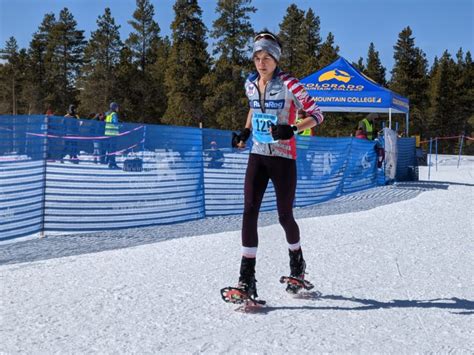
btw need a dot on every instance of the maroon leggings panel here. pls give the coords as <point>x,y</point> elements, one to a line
<point>282,172</point>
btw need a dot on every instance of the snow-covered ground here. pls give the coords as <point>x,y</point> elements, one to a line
<point>392,276</point>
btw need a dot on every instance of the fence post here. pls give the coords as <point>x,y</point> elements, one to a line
<point>429,159</point>
<point>45,129</point>
<point>202,132</point>
<point>436,145</point>
<point>460,149</point>
<point>143,143</point>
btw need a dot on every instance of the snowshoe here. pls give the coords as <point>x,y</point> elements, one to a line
<point>238,295</point>
<point>295,284</point>
<point>245,293</point>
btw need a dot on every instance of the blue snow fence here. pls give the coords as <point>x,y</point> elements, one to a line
<point>407,166</point>
<point>65,176</point>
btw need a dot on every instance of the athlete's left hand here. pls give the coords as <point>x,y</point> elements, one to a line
<point>282,131</point>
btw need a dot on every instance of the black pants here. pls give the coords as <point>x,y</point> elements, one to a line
<point>110,148</point>
<point>282,172</point>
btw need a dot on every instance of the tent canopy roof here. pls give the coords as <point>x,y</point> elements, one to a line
<point>340,87</point>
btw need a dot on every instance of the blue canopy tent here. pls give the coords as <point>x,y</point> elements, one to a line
<point>340,87</point>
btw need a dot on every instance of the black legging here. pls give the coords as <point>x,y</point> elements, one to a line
<point>282,172</point>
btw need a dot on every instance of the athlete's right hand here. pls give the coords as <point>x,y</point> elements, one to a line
<point>238,140</point>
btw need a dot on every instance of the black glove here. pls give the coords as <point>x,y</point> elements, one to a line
<point>282,131</point>
<point>243,136</point>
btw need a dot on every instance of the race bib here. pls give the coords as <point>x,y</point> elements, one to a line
<point>261,123</point>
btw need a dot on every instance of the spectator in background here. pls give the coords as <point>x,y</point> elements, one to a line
<point>308,131</point>
<point>72,129</point>
<point>111,131</point>
<point>71,112</point>
<point>98,131</point>
<point>367,125</point>
<point>360,133</point>
<point>216,157</point>
<point>302,145</point>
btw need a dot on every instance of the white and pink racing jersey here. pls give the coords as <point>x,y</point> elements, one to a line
<point>283,97</point>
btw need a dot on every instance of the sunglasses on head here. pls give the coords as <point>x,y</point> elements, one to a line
<point>266,36</point>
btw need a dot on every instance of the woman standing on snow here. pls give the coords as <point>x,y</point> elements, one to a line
<point>274,98</point>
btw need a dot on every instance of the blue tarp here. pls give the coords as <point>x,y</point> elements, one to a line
<point>341,87</point>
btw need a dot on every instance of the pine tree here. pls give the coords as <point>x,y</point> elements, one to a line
<point>102,55</point>
<point>442,119</point>
<point>464,78</point>
<point>291,37</point>
<point>409,78</point>
<point>24,104</point>
<point>226,105</point>
<point>464,69</point>
<point>37,88</point>
<point>434,67</point>
<point>404,58</point>
<point>124,91</point>
<point>13,74</point>
<point>328,52</point>
<point>467,99</point>
<point>375,69</point>
<point>158,96</point>
<point>188,63</point>
<point>145,45</point>
<point>145,40</point>
<point>360,65</point>
<point>310,44</point>
<point>66,48</point>
<point>5,95</point>
<point>233,30</point>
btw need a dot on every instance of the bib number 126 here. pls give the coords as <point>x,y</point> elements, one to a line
<point>261,123</point>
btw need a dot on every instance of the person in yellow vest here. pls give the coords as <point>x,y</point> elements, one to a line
<point>302,144</point>
<point>112,130</point>
<point>301,116</point>
<point>367,125</point>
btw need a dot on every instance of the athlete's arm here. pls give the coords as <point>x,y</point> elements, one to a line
<point>308,122</point>
<point>248,124</point>
<point>303,100</point>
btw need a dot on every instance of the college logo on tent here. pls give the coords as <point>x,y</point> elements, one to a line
<point>336,74</point>
<point>335,80</point>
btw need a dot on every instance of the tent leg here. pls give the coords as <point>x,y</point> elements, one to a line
<point>407,123</point>
<point>390,118</point>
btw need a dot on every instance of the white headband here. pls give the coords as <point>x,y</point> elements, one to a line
<point>269,46</point>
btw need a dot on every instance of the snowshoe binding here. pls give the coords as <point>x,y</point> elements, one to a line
<point>246,291</point>
<point>239,296</point>
<point>295,285</point>
<point>296,282</point>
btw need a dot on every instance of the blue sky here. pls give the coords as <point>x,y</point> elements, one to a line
<point>437,24</point>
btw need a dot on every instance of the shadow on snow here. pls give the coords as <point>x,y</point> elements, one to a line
<point>465,307</point>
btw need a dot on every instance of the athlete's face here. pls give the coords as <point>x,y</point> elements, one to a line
<point>264,63</point>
